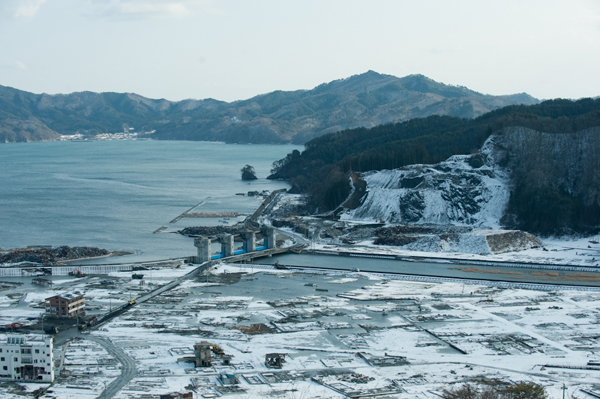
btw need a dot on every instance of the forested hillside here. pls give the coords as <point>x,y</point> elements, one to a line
<point>365,100</point>
<point>322,169</point>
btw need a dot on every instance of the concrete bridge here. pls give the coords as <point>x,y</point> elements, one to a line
<point>227,247</point>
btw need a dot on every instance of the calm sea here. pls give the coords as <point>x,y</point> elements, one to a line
<point>115,194</point>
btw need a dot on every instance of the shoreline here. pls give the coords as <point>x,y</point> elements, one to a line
<point>58,263</point>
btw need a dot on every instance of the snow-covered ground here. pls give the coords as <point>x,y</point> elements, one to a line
<point>464,190</point>
<point>334,329</point>
<point>556,251</point>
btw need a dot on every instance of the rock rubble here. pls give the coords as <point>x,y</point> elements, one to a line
<point>48,256</point>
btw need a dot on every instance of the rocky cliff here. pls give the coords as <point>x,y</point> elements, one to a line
<point>482,190</point>
<point>567,162</point>
<point>465,190</point>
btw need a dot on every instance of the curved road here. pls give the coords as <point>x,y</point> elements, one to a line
<point>128,367</point>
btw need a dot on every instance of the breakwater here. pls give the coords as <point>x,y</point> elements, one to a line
<point>526,274</point>
<point>424,279</point>
<point>404,258</point>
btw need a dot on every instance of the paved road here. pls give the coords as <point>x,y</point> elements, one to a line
<point>128,367</point>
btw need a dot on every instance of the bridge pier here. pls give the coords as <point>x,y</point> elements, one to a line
<point>249,240</point>
<point>226,244</point>
<point>270,236</point>
<point>203,245</point>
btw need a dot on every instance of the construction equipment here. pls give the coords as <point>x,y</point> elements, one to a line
<point>12,327</point>
<point>217,349</point>
<point>76,273</point>
<point>88,322</point>
<point>50,329</point>
<point>131,302</point>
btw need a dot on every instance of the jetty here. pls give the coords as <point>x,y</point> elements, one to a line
<point>189,210</point>
<point>211,215</point>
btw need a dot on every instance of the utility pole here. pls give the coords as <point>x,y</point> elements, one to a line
<point>564,388</point>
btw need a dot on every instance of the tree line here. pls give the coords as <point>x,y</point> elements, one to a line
<point>322,169</point>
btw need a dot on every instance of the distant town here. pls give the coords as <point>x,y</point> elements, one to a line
<point>127,134</point>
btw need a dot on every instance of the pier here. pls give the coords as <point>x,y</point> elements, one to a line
<point>211,215</point>
<point>63,270</point>
<point>189,210</point>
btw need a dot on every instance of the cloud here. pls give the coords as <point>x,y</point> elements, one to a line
<point>159,10</point>
<point>14,65</point>
<point>28,8</point>
<point>446,50</point>
<point>146,9</point>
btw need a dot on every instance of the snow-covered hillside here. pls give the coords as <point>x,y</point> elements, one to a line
<point>465,190</point>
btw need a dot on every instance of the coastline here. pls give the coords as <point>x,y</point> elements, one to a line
<point>35,250</point>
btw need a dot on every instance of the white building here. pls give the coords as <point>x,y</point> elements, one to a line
<point>26,360</point>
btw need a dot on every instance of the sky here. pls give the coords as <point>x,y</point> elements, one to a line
<point>235,49</point>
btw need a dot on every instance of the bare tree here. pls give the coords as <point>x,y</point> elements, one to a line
<point>519,390</point>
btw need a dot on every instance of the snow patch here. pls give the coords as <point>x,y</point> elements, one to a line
<point>465,190</point>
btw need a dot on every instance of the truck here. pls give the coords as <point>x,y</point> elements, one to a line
<point>50,329</point>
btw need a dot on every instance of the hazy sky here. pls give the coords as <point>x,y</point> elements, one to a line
<point>235,49</point>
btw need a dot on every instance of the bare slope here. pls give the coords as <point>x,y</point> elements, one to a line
<point>483,190</point>
<point>457,191</point>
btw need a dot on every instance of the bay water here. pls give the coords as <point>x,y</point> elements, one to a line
<point>115,194</point>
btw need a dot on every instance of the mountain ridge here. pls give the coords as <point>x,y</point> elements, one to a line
<point>363,100</point>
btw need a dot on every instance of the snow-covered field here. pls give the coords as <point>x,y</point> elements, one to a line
<point>556,251</point>
<point>339,332</point>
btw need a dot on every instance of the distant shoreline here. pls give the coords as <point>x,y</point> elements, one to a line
<point>35,256</point>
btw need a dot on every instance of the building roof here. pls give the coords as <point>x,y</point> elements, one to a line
<point>68,295</point>
<point>23,340</point>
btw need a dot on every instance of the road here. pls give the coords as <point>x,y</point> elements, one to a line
<point>128,367</point>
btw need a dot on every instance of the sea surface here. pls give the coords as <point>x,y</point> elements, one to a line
<point>115,194</point>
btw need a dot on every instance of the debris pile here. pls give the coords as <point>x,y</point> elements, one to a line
<point>210,231</point>
<point>254,329</point>
<point>356,378</point>
<point>295,224</point>
<point>404,235</point>
<point>456,239</point>
<point>49,256</point>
